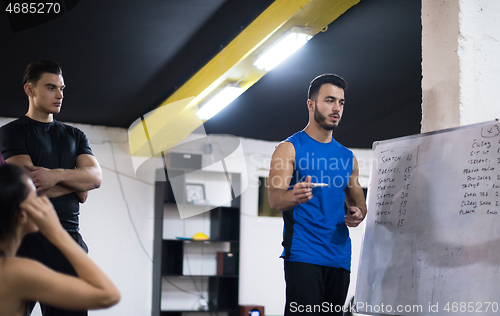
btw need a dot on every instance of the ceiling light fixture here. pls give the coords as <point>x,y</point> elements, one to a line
<point>219,101</point>
<point>234,63</point>
<point>282,49</point>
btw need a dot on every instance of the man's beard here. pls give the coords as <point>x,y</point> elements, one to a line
<point>321,120</point>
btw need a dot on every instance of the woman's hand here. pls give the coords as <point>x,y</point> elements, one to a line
<point>41,211</point>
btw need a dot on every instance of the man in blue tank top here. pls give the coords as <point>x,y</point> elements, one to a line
<point>311,177</point>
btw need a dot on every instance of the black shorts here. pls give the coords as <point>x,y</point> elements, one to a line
<point>37,247</point>
<point>313,290</point>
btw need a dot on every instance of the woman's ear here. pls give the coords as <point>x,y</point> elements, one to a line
<point>22,216</point>
<point>24,220</point>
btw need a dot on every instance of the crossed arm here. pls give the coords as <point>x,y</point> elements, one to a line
<point>57,182</point>
<point>282,199</point>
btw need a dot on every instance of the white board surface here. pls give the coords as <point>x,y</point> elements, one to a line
<point>432,239</point>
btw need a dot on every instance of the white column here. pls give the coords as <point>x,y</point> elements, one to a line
<point>479,54</point>
<point>460,62</point>
<point>440,65</point>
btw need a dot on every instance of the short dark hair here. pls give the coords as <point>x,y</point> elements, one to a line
<point>320,80</point>
<point>35,70</point>
<point>13,191</point>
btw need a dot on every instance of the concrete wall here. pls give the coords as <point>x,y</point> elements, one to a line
<point>460,65</point>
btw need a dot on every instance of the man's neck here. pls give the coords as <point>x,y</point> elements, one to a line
<point>39,116</point>
<point>318,133</point>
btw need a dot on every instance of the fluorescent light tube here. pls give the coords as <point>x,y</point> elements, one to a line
<point>280,51</point>
<point>219,101</point>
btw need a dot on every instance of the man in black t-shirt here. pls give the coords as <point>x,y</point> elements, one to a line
<point>58,159</point>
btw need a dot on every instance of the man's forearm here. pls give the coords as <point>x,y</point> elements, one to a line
<point>60,190</point>
<point>80,179</point>
<point>281,200</point>
<point>56,191</point>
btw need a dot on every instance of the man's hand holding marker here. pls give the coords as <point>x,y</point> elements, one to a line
<point>302,191</point>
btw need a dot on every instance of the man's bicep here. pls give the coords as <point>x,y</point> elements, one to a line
<point>87,161</point>
<point>282,163</point>
<point>353,187</point>
<point>90,162</point>
<point>91,170</point>
<point>354,192</point>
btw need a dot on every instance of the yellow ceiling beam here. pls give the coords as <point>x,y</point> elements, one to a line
<point>176,117</point>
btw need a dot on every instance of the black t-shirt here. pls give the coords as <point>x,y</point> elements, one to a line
<point>49,145</point>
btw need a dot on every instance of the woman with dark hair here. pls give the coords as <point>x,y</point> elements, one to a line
<point>23,280</point>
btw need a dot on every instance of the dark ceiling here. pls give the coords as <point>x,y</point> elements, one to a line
<point>122,58</point>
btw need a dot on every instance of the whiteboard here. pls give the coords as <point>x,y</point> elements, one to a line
<point>432,239</point>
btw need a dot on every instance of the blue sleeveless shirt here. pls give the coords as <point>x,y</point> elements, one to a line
<point>315,232</point>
